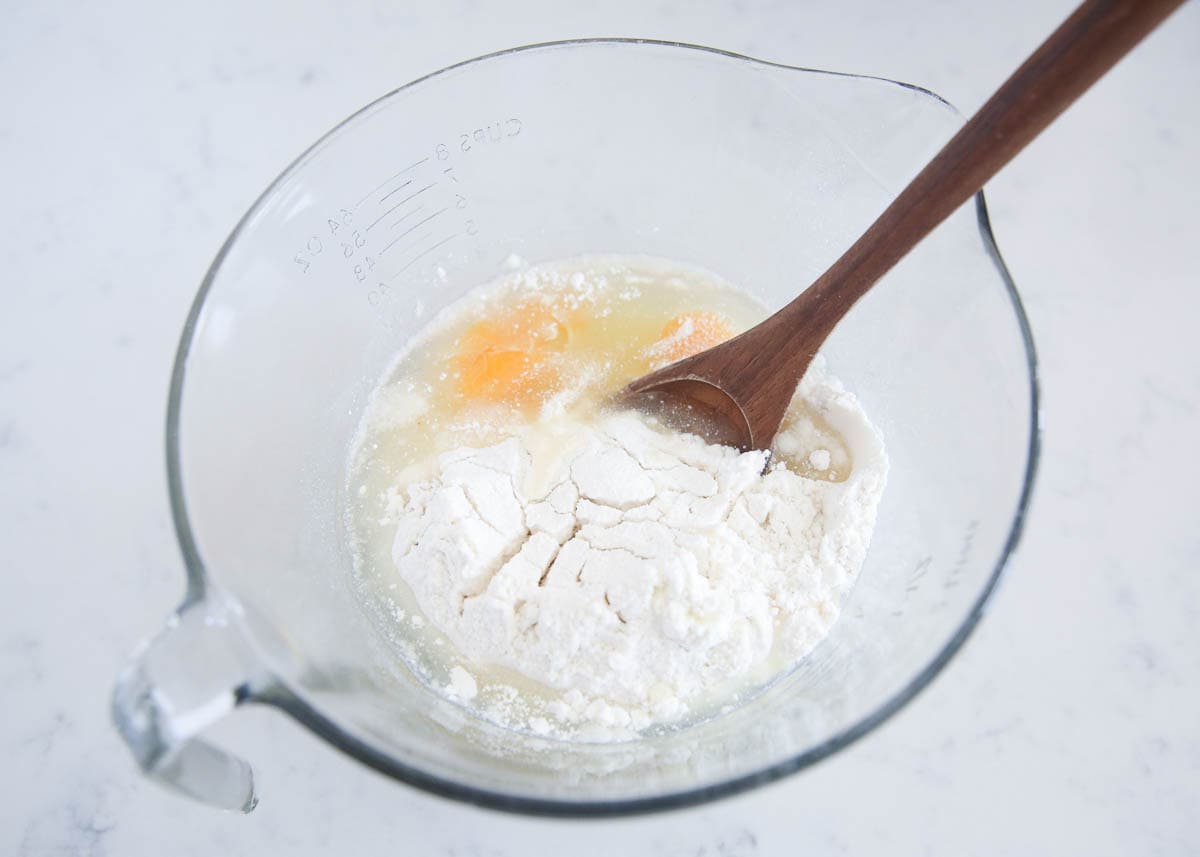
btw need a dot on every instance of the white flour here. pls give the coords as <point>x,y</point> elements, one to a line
<point>638,574</point>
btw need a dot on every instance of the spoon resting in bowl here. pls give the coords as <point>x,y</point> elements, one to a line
<point>736,393</point>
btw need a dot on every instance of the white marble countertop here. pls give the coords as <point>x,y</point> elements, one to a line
<point>132,137</point>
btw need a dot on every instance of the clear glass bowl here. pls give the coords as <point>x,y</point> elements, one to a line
<point>759,172</point>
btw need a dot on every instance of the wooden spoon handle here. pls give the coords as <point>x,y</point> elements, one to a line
<point>1078,53</point>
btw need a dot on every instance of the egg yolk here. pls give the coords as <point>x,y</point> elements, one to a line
<point>690,333</point>
<point>522,354</point>
<point>509,358</point>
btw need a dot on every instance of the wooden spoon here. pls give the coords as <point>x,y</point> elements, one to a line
<point>742,387</point>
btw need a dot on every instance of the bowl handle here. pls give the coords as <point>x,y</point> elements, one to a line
<point>191,674</point>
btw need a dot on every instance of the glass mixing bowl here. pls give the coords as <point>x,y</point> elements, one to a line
<point>759,172</point>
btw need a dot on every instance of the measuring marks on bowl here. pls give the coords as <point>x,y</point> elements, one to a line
<point>400,223</point>
<point>403,211</point>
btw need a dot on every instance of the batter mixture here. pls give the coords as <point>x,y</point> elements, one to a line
<point>570,569</point>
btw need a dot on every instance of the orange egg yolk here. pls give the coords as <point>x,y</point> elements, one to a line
<point>691,333</point>
<point>509,358</point>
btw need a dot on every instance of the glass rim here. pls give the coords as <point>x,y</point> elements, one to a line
<point>280,695</point>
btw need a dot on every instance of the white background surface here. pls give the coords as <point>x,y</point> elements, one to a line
<point>132,137</point>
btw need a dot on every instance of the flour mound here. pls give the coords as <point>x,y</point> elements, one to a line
<point>637,572</point>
